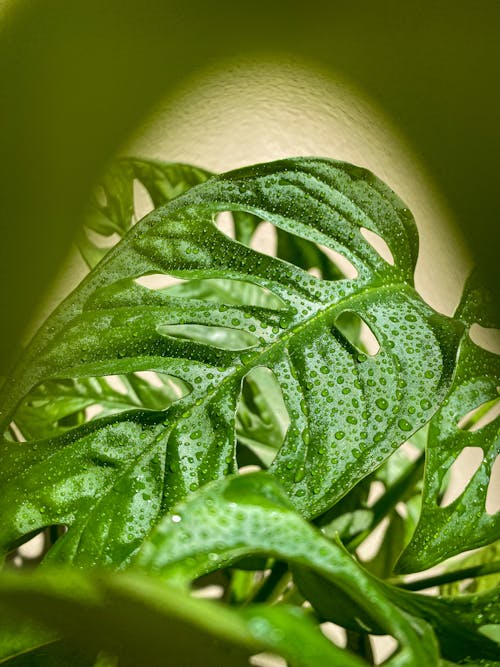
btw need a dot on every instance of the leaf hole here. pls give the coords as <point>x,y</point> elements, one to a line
<point>378,244</point>
<point>224,338</point>
<point>226,291</point>
<point>60,405</point>
<point>158,281</point>
<point>492,504</point>
<point>335,633</point>
<point>225,224</point>
<point>264,239</point>
<point>103,241</point>
<point>212,592</point>
<point>32,549</point>
<point>460,474</point>
<point>262,420</point>
<point>480,416</point>
<point>143,204</point>
<point>383,647</point>
<point>100,196</point>
<point>486,337</point>
<point>345,266</point>
<point>357,332</point>
<point>267,660</point>
<point>146,390</point>
<point>319,260</point>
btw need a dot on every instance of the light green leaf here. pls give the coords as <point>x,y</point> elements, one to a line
<point>478,584</point>
<point>112,478</point>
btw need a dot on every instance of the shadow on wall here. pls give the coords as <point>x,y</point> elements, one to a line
<point>246,111</point>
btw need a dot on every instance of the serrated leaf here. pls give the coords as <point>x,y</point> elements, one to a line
<point>250,515</point>
<point>348,411</point>
<point>464,524</point>
<point>140,619</point>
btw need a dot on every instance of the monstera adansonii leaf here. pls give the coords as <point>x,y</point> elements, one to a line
<point>111,479</point>
<point>112,211</point>
<point>465,523</point>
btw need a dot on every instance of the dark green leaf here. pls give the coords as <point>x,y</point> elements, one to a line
<point>457,622</point>
<point>140,619</point>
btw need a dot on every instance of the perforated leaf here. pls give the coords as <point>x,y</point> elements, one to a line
<point>111,479</point>
<point>465,523</point>
<point>112,209</point>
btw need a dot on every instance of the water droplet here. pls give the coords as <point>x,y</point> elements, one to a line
<point>299,474</point>
<point>404,425</point>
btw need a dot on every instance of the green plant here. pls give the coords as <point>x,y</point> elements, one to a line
<point>246,359</point>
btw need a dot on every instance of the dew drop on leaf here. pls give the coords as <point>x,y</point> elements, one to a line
<point>404,425</point>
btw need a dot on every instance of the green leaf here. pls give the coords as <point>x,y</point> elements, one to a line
<point>464,524</point>
<point>55,406</point>
<point>111,209</point>
<point>55,654</point>
<point>391,546</point>
<point>458,623</point>
<point>112,478</point>
<point>139,619</point>
<point>19,637</point>
<point>262,419</point>
<point>489,554</point>
<point>250,515</point>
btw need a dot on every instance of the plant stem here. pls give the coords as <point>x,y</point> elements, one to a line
<point>389,500</point>
<point>278,571</point>
<point>449,577</point>
<point>360,643</point>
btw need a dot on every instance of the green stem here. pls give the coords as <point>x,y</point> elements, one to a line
<point>389,500</point>
<point>266,590</point>
<point>449,577</point>
<point>360,643</point>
